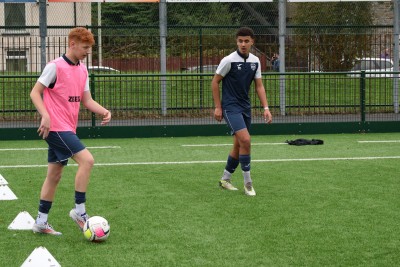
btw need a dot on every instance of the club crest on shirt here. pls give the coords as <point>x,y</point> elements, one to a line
<point>253,66</point>
<point>239,66</point>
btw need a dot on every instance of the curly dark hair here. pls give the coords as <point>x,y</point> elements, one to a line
<point>245,31</point>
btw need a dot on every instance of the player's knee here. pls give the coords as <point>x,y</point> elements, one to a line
<point>56,175</point>
<point>245,142</point>
<point>57,178</point>
<point>85,159</point>
<point>90,162</point>
<point>54,178</point>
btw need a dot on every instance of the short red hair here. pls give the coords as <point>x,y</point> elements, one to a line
<point>80,34</point>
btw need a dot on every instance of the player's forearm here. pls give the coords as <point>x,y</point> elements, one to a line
<point>37,101</point>
<point>216,97</point>
<point>262,96</point>
<point>217,102</point>
<point>95,107</point>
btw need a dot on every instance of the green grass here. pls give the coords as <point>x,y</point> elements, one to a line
<point>306,213</point>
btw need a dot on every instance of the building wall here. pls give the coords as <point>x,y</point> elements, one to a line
<point>27,41</point>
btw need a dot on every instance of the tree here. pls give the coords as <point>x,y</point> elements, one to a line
<point>120,18</point>
<point>336,33</point>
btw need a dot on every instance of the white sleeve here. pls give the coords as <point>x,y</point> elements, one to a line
<point>48,75</point>
<point>87,88</point>
<point>258,71</point>
<point>224,67</point>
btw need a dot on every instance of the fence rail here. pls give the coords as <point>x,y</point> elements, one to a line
<point>137,99</point>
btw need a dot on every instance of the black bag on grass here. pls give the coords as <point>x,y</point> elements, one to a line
<point>302,142</point>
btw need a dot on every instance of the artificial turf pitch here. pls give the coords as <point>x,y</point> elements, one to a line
<point>335,204</point>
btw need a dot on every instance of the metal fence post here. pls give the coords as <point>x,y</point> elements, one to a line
<point>362,96</point>
<point>43,32</point>
<point>93,92</point>
<point>282,36</point>
<point>396,55</point>
<point>163,54</point>
<point>201,68</point>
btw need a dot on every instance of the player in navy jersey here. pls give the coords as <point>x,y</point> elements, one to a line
<point>237,71</point>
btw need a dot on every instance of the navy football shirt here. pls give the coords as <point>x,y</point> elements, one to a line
<point>238,72</point>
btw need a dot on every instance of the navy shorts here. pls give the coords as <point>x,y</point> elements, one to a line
<point>62,146</point>
<point>237,121</point>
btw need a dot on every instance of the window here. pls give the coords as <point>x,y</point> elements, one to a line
<point>16,61</point>
<point>14,15</point>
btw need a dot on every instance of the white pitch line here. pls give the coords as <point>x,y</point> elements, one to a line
<point>45,148</point>
<point>381,141</point>
<point>253,144</point>
<point>206,162</point>
<point>102,147</point>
